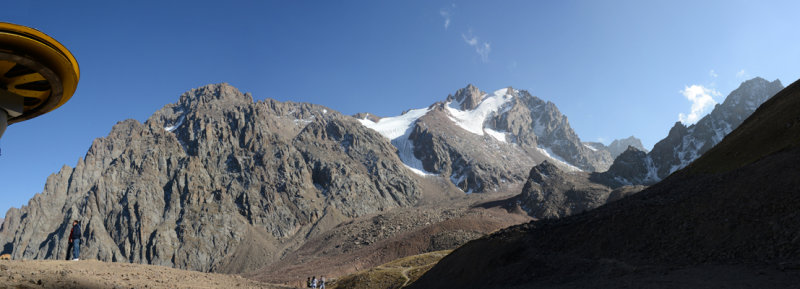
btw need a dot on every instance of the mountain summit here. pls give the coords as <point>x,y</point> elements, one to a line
<point>486,142</point>
<point>210,175</point>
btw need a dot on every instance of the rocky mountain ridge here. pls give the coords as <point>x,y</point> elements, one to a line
<point>482,142</point>
<point>216,172</point>
<point>729,219</point>
<point>208,173</point>
<point>684,143</point>
<point>618,146</point>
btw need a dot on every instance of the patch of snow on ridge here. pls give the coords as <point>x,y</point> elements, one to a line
<point>397,129</point>
<point>557,159</point>
<point>498,135</point>
<point>652,171</point>
<point>406,153</point>
<point>396,126</point>
<point>472,120</point>
<point>588,146</point>
<point>176,125</point>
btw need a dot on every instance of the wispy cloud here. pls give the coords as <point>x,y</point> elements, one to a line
<point>482,48</point>
<point>713,74</point>
<point>447,14</point>
<point>702,99</point>
<point>742,75</point>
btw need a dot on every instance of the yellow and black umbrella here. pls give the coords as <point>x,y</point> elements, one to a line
<point>37,74</point>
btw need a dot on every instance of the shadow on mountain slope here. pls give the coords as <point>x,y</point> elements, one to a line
<point>730,219</point>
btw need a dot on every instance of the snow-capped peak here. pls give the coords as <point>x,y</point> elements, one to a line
<point>472,120</point>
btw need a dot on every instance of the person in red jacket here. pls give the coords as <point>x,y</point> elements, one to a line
<point>75,239</point>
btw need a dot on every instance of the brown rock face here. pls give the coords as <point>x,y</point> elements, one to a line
<point>209,174</point>
<point>469,97</point>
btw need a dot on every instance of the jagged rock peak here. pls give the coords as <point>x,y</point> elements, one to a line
<point>751,92</point>
<point>544,170</point>
<point>222,92</point>
<point>618,146</point>
<point>469,97</point>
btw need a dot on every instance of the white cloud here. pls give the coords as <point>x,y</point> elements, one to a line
<point>741,75</point>
<point>482,49</point>
<point>447,14</point>
<point>472,41</point>
<point>713,74</point>
<point>702,99</point>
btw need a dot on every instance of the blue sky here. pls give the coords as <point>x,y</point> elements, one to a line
<point>615,68</point>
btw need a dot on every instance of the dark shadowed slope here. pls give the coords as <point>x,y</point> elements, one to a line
<point>730,220</point>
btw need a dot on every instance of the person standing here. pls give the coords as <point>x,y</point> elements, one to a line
<point>75,239</point>
<point>322,282</point>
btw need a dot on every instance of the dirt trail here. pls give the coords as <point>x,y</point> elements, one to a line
<point>396,274</point>
<point>404,273</point>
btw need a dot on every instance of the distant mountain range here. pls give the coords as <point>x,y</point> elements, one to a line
<point>728,219</point>
<point>685,144</point>
<point>214,173</point>
<point>551,192</point>
<point>618,146</point>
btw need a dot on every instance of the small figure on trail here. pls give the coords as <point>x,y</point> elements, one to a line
<point>75,239</point>
<point>322,282</point>
<point>308,282</point>
<point>314,282</point>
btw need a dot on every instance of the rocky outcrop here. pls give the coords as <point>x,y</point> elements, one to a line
<point>552,193</point>
<point>209,174</point>
<point>468,97</point>
<point>366,115</point>
<point>685,144</point>
<point>7,227</point>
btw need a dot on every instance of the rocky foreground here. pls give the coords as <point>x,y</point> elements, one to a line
<point>96,274</point>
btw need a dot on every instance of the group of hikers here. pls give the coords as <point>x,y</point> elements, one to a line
<point>313,282</point>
